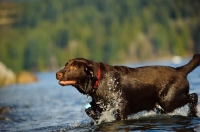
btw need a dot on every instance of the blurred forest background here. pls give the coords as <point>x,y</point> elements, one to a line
<point>42,35</point>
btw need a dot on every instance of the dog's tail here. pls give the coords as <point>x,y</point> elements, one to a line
<point>191,65</point>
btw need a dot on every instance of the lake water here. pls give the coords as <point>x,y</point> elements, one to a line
<point>47,106</point>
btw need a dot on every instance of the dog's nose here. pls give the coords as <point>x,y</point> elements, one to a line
<point>59,75</point>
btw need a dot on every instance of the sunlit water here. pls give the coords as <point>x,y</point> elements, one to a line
<point>47,106</point>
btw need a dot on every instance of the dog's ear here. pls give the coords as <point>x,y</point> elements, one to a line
<point>89,70</point>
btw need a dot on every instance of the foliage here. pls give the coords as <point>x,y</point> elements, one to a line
<point>47,33</point>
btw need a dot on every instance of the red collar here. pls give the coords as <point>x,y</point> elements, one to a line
<point>98,78</point>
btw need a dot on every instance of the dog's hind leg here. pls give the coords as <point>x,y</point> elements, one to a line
<point>174,97</point>
<point>193,100</point>
<point>178,100</point>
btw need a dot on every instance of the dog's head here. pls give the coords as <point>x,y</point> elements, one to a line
<point>80,73</point>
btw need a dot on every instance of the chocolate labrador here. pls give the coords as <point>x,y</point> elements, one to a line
<point>128,90</point>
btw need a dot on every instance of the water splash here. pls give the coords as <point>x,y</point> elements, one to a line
<point>183,111</point>
<point>107,118</point>
<point>113,97</point>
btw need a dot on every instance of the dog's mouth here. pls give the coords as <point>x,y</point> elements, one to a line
<point>64,83</point>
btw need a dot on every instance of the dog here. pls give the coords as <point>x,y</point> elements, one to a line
<point>128,90</point>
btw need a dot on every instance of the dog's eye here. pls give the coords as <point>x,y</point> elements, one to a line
<point>72,68</point>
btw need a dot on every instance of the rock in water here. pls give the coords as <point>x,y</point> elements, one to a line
<point>26,77</point>
<point>7,76</point>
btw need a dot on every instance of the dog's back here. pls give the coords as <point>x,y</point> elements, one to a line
<point>163,85</point>
<point>166,74</point>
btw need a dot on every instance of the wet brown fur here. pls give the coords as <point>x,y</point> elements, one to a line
<point>141,88</point>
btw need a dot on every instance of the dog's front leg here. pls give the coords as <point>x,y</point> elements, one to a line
<point>92,113</point>
<point>93,110</point>
<point>121,113</point>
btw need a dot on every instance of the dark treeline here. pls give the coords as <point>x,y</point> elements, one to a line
<point>44,34</point>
